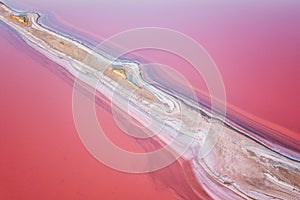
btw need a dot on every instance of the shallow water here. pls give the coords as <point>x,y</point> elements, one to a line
<point>262,77</point>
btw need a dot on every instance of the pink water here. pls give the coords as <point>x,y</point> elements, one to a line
<point>255,45</point>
